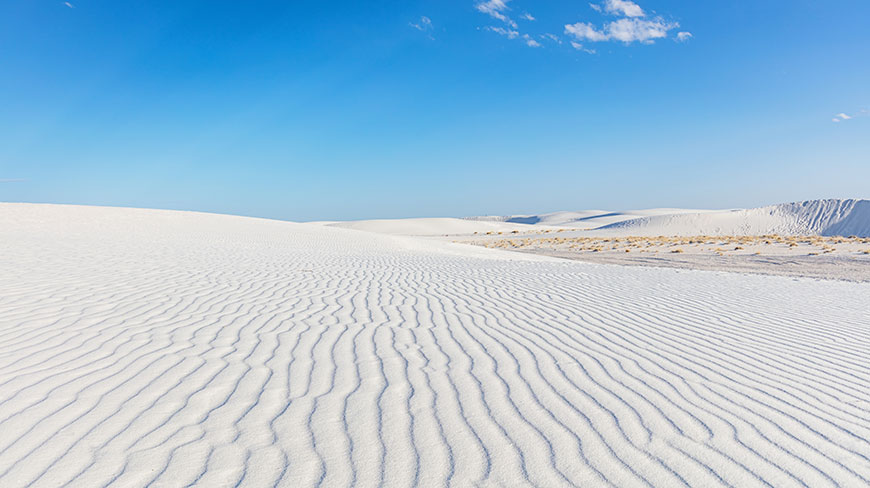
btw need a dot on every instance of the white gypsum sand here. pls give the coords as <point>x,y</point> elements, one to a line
<point>165,348</point>
<point>840,258</point>
<point>832,217</point>
<point>432,227</point>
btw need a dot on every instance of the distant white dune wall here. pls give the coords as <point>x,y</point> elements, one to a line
<point>584,219</point>
<point>814,217</point>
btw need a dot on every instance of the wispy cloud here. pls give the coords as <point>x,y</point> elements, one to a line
<point>582,30</point>
<point>425,25</point>
<point>576,45</point>
<point>509,33</point>
<point>639,30</point>
<point>842,116</point>
<point>69,5</point>
<point>531,42</point>
<point>496,9</point>
<point>551,37</point>
<point>626,8</point>
<point>12,180</point>
<point>634,26</point>
<point>631,24</point>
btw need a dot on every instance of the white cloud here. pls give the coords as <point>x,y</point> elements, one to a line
<point>531,42</point>
<point>576,45</point>
<point>496,9</point>
<point>842,117</point>
<point>509,33</point>
<point>69,4</point>
<point>512,34</point>
<point>632,24</point>
<point>626,30</point>
<point>631,30</point>
<point>425,25</point>
<point>551,37</point>
<point>582,30</point>
<point>623,7</point>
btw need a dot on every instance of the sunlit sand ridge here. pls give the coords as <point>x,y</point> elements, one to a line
<point>169,349</point>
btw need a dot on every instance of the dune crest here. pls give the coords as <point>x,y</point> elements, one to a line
<point>813,217</point>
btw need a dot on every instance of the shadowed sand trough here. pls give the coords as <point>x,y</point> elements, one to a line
<point>164,348</point>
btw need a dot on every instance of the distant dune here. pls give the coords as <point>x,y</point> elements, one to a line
<point>814,217</point>
<point>432,226</point>
<point>584,219</point>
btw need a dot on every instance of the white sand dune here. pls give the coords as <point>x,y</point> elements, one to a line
<point>431,226</point>
<point>814,217</point>
<point>585,219</point>
<point>156,348</point>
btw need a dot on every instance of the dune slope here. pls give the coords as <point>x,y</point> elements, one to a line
<point>585,219</point>
<point>152,348</point>
<point>814,217</point>
<point>430,226</point>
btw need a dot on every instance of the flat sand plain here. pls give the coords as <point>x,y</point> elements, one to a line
<point>838,258</point>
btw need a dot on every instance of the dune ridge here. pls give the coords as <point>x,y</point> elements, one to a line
<point>584,219</point>
<point>813,217</point>
<point>156,348</point>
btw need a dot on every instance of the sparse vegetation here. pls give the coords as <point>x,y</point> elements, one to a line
<point>695,245</point>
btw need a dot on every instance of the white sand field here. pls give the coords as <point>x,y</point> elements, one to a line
<point>813,217</point>
<point>158,348</point>
<point>436,227</point>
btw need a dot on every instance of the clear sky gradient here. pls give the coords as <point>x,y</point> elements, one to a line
<point>309,110</point>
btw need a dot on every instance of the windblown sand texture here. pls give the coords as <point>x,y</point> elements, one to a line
<point>156,348</point>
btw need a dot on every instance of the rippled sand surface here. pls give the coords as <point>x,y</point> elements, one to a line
<point>156,348</point>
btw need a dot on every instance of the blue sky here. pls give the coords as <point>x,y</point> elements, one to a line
<point>307,110</point>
